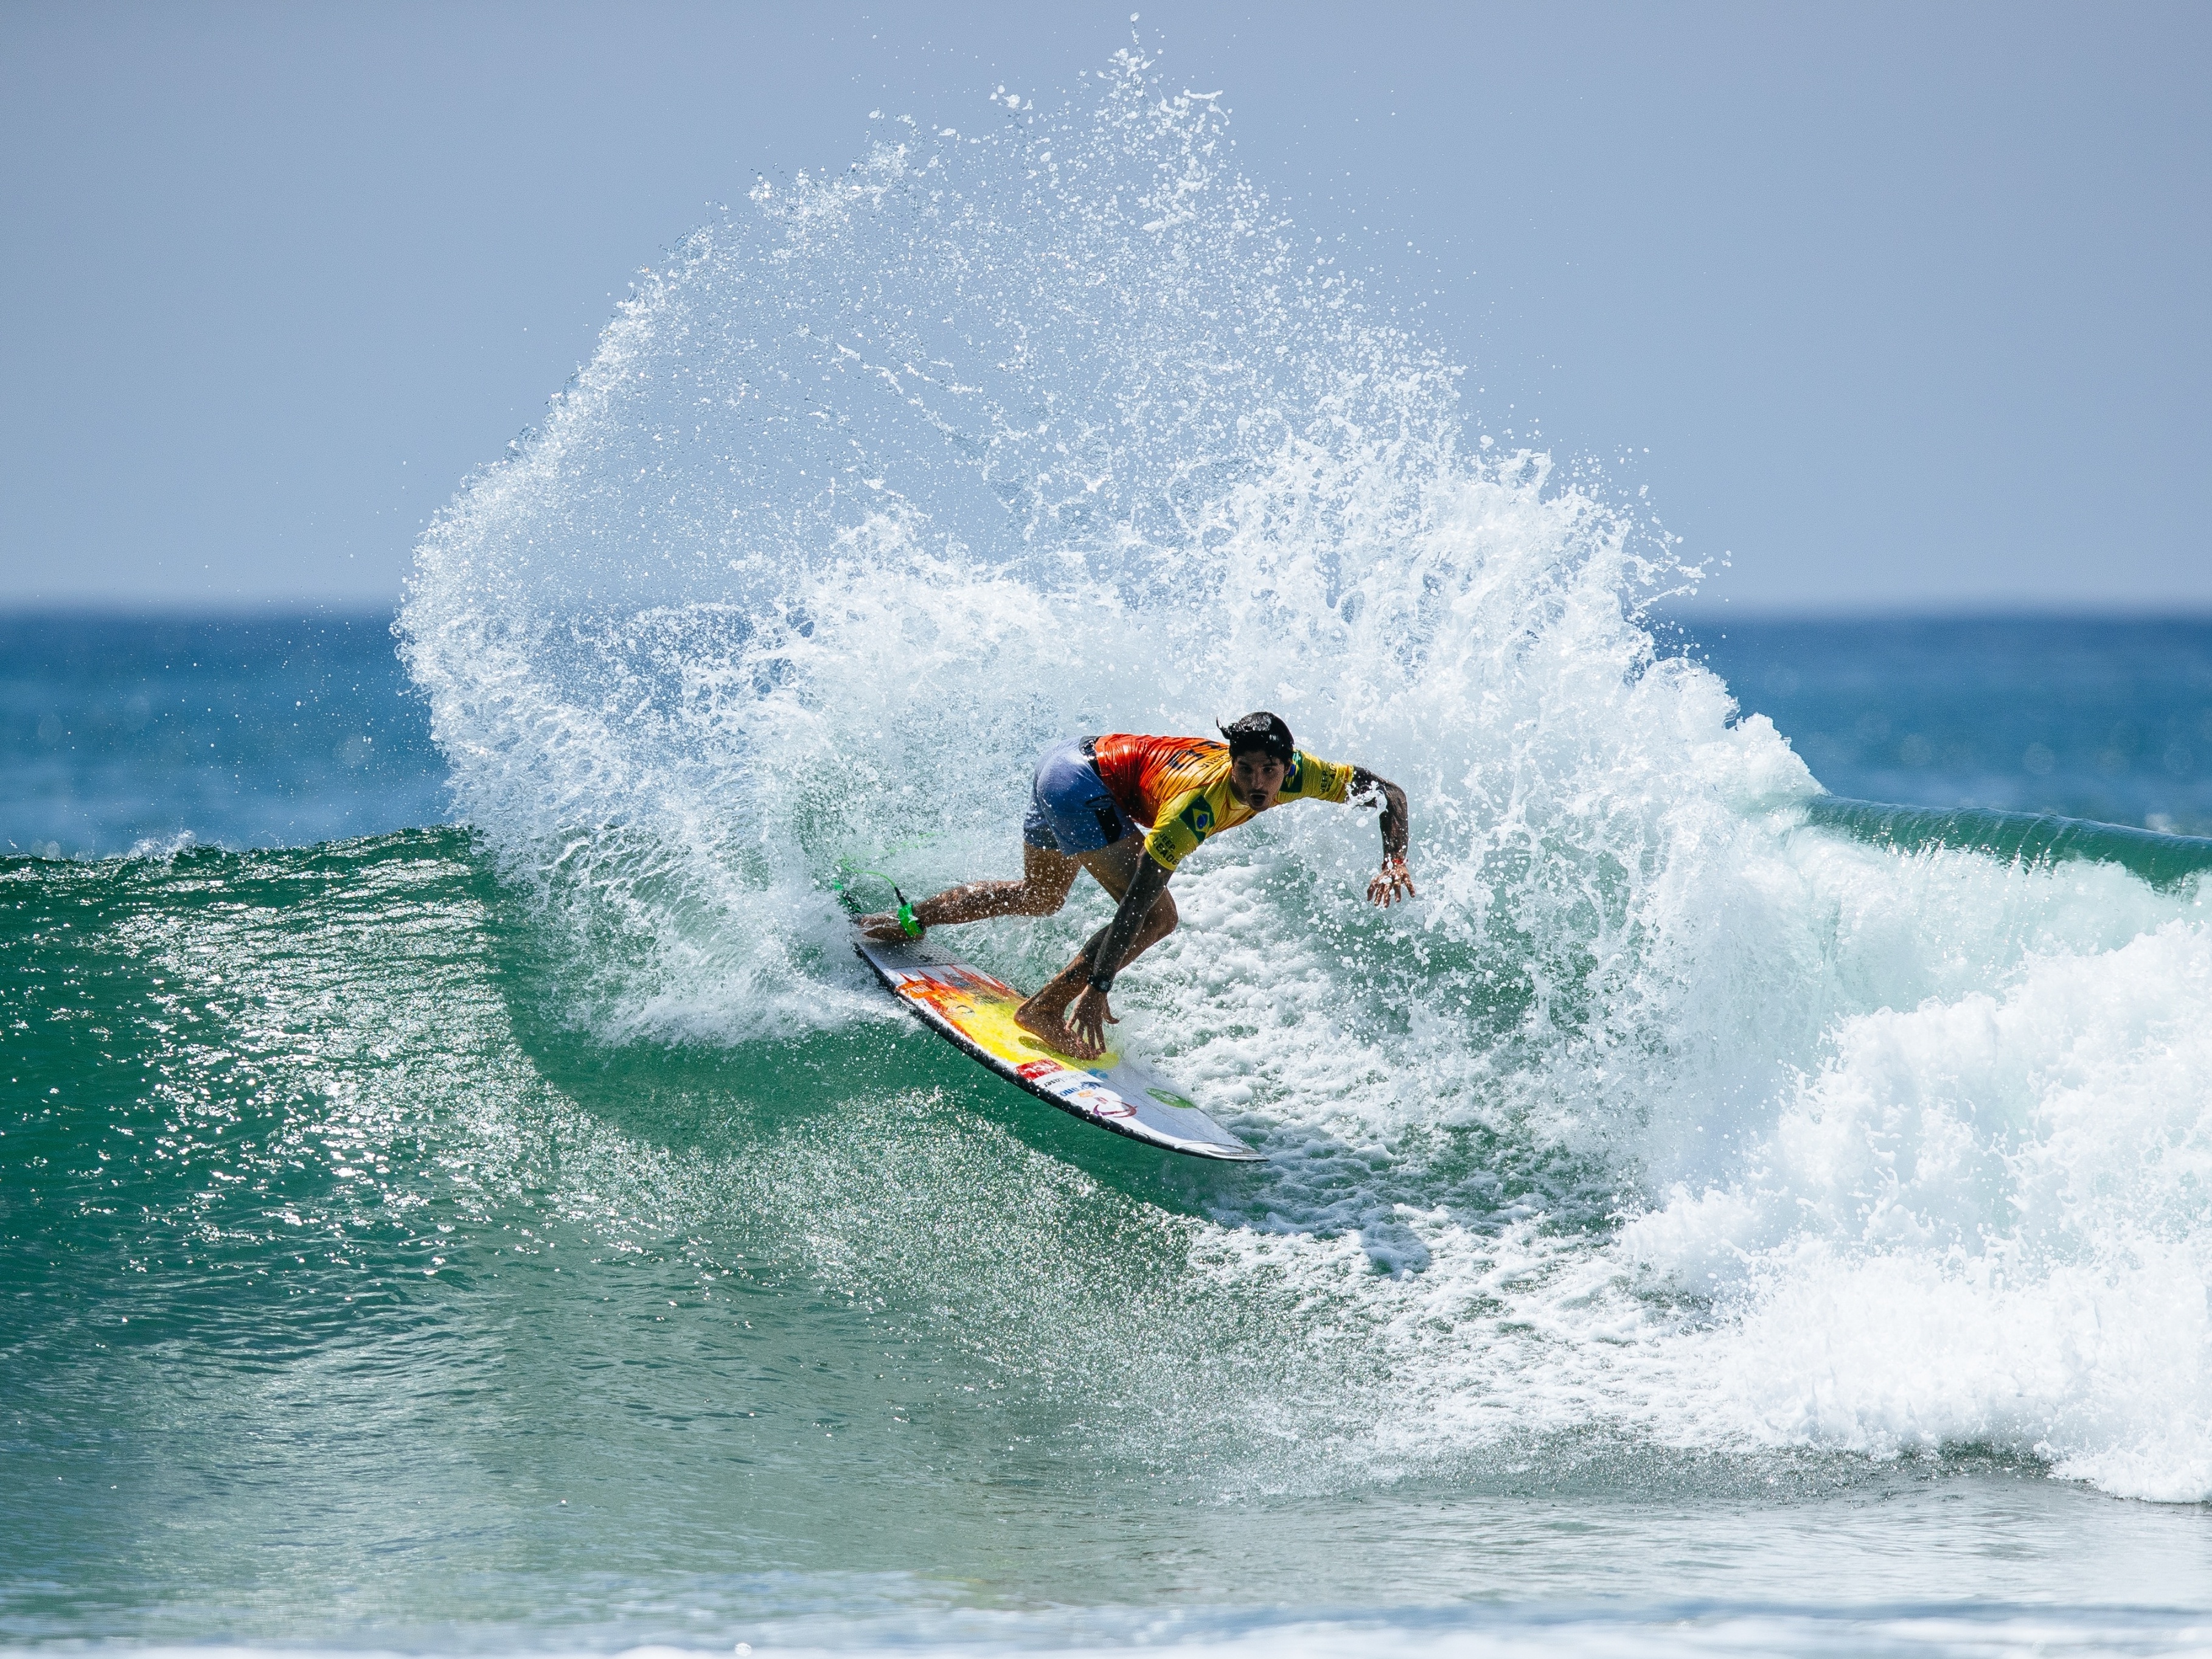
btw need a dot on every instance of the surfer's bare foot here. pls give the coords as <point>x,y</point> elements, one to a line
<point>1045,1024</point>
<point>882,928</point>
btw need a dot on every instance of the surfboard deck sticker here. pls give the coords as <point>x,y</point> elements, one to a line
<point>976,1012</point>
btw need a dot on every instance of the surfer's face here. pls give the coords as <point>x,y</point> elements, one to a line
<point>1255,778</point>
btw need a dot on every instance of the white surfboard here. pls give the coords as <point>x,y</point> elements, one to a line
<point>976,1012</point>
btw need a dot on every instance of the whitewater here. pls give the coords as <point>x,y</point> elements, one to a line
<point>1664,1116</point>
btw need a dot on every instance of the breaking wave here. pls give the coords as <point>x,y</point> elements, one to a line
<point>1677,1111</point>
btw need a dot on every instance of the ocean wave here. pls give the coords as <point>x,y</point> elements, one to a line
<point>1687,1103</point>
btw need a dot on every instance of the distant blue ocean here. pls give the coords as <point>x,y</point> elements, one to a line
<point>227,731</point>
<point>2097,719</point>
<point>267,730</point>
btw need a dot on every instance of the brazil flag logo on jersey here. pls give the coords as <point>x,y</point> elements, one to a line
<point>1198,817</point>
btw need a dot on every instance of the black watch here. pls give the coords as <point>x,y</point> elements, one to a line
<point>1102,986</point>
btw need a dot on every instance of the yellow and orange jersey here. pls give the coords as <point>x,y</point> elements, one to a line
<point>1178,787</point>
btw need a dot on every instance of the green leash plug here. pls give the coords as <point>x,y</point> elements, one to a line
<point>908,923</point>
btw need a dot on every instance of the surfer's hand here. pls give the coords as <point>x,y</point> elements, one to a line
<point>1088,1016</point>
<point>1392,883</point>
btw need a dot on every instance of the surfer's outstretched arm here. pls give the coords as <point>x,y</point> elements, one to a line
<point>1112,948</point>
<point>1140,886</point>
<point>1395,881</point>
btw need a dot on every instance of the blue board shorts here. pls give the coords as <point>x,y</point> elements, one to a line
<point>1071,811</point>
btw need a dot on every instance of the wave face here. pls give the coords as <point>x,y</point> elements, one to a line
<point>2030,838</point>
<point>1666,1117</point>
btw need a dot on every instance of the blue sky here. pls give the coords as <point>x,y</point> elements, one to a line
<point>1902,306</point>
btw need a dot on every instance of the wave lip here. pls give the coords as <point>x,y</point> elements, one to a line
<point>2027,838</point>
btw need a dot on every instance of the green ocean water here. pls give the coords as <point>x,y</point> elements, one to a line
<point>351,1296</point>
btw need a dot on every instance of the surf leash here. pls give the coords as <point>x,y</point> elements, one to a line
<point>908,925</point>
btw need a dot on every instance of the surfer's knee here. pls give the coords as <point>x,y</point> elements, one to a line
<point>1041,901</point>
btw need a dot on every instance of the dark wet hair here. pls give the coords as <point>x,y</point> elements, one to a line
<point>1259,731</point>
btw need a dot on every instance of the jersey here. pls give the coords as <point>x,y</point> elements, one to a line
<point>1178,788</point>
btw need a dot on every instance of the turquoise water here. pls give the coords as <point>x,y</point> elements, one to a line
<point>461,1194</point>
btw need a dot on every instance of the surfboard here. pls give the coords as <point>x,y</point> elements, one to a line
<point>975,1012</point>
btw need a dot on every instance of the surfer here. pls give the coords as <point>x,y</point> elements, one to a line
<point>1129,810</point>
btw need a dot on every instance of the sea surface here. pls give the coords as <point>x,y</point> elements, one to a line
<point>459,1194</point>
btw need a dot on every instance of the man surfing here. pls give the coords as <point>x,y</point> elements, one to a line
<point>1129,810</point>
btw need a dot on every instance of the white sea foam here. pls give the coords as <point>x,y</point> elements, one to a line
<point>1659,1112</point>
<point>1416,1633</point>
